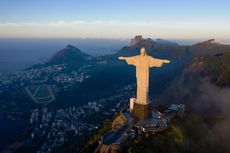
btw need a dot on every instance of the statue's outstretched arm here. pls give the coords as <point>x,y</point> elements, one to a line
<point>129,60</point>
<point>121,58</point>
<point>166,61</point>
<point>157,62</point>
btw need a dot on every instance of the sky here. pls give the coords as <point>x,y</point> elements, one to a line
<point>119,19</point>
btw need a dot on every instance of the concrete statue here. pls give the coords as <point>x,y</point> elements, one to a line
<point>142,63</point>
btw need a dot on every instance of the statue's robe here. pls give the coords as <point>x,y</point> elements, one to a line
<point>143,63</point>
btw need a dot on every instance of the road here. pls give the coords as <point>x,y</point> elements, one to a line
<point>118,136</point>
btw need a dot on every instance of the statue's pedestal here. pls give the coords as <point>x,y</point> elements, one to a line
<point>142,111</point>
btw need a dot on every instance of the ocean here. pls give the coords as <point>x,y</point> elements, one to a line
<point>18,54</point>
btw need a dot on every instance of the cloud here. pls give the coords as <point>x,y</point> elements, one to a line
<point>207,98</point>
<point>199,93</point>
<point>112,29</point>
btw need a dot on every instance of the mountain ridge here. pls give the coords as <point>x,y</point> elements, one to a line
<point>161,49</point>
<point>216,67</point>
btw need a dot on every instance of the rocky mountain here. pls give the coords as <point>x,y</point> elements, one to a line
<point>203,83</point>
<point>165,48</point>
<point>158,48</point>
<point>209,47</point>
<point>165,42</point>
<point>139,38</point>
<point>217,67</point>
<point>69,55</point>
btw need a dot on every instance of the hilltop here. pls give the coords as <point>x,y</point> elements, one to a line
<point>209,47</point>
<point>69,54</point>
<point>217,67</point>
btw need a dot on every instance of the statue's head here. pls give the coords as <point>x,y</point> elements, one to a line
<point>143,51</point>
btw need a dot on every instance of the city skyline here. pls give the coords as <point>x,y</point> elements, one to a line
<point>116,19</point>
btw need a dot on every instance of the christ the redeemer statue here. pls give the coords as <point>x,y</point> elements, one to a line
<point>143,62</point>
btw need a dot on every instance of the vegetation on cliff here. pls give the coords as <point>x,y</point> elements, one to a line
<point>191,134</point>
<point>92,143</point>
<point>217,67</point>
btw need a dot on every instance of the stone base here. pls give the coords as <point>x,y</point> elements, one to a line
<point>141,111</point>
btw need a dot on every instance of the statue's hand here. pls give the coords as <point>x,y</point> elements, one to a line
<point>166,61</point>
<point>121,58</point>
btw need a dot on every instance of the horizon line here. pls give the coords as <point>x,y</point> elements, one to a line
<point>179,41</point>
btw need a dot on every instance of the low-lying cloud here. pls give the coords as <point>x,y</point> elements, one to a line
<point>113,29</point>
<point>205,97</point>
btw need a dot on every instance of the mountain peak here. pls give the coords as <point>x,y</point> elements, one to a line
<point>139,40</point>
<point>69,54</point>
<point>209,42</point>
<point>136,39</point>
<point>212,41</point>
<point>70,46</point>
<point>68,49</point>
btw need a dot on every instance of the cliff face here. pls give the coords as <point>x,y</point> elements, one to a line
<point>209,47</point>
<point>216,67</point>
